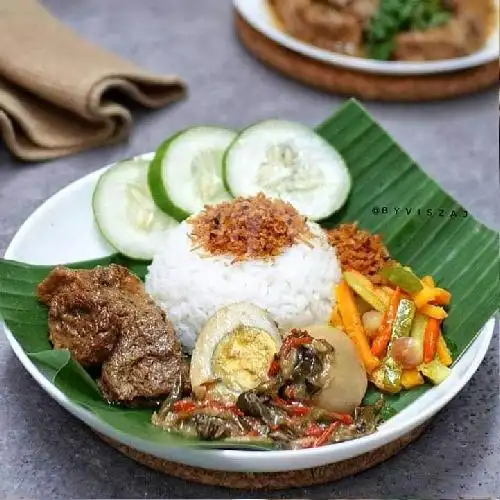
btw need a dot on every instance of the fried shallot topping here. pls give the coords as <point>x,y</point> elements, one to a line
<point>359,250</point>
<point>249,228</point>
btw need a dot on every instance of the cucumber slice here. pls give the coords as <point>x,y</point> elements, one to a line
<point>186,173</point>
<point>126,213</point>
<point>289,161</point>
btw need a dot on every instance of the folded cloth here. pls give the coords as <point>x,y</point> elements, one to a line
<point>60,94</point>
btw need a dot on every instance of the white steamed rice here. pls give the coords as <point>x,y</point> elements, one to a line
<point>296,288</point>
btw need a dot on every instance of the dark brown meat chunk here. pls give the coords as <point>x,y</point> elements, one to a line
<point>146,359</point>
<point>464,34</point>
<point>104,316</point>
<point>363,10</point>
<point>320,24</point>
<point>86,307</point>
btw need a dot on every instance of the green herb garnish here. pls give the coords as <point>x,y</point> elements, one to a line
<point>397,16</point>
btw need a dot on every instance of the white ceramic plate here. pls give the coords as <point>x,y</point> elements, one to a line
<point>65,224</point>
<point>257,14</point>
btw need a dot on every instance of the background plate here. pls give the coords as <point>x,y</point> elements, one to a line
<point>257,14</point>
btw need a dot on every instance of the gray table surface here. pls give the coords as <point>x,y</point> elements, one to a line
<point>45,452</point>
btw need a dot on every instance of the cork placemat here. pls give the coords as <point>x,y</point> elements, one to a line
<point>271,480</point>
<point>363,85</point>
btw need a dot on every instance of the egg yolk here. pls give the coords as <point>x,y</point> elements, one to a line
<point>242,358</point>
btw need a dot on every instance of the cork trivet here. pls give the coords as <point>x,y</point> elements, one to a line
<point>271,480</point>
<point>369,86</point>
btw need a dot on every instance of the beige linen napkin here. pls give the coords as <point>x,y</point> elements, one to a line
<point>58,92</point>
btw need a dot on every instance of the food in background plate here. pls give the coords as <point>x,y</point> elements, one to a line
<point>465,32</point>
<point>104,317</point>
<point>254,250</point>
<point>401,30</point>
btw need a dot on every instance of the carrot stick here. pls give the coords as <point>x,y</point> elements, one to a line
<point>443,352</point>
<point>435,312</point>
<point>354,326</point>
<point>431,339</point>
<point>335,319</point>
<point>381,341</point>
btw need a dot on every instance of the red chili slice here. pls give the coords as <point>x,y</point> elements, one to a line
<point>217,405</point>
<point>298,411</point>
<point>343,418</point>
<point>326,435</point>
<point>184,406</point>
<point>313,430</point>
<point>294,342</point>
<point>274,368</point>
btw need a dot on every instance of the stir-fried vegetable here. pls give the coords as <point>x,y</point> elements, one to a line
<point>443,352</point>
<point>335,319</point>
<point>431,338</point>
<point>425,296</point>
<point>428,281</point>
<point>444,297</point>
<point>366,290</point>
<point>354,326</point>
<point>435,312</point>
<point>411,379</point>
<point>429,295</point>
<point>403,320</point>
<point>372,322</point>
<point>418,332</point>
<point>402,277</point>
<point>388,375</point>
<point>435,371</point>
<point>402,329</point>
<point>407,352</point>
<point>383,338</point>
<point>362,305</point>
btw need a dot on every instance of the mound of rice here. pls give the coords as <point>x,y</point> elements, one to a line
<point>296,288</point>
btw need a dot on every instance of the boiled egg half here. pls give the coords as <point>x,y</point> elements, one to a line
<point>233,352</point>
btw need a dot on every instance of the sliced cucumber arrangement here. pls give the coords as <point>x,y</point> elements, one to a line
<point>289,161</point>
<point>136,201</point>
<point>186,173</point>
<point>125,211</point>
